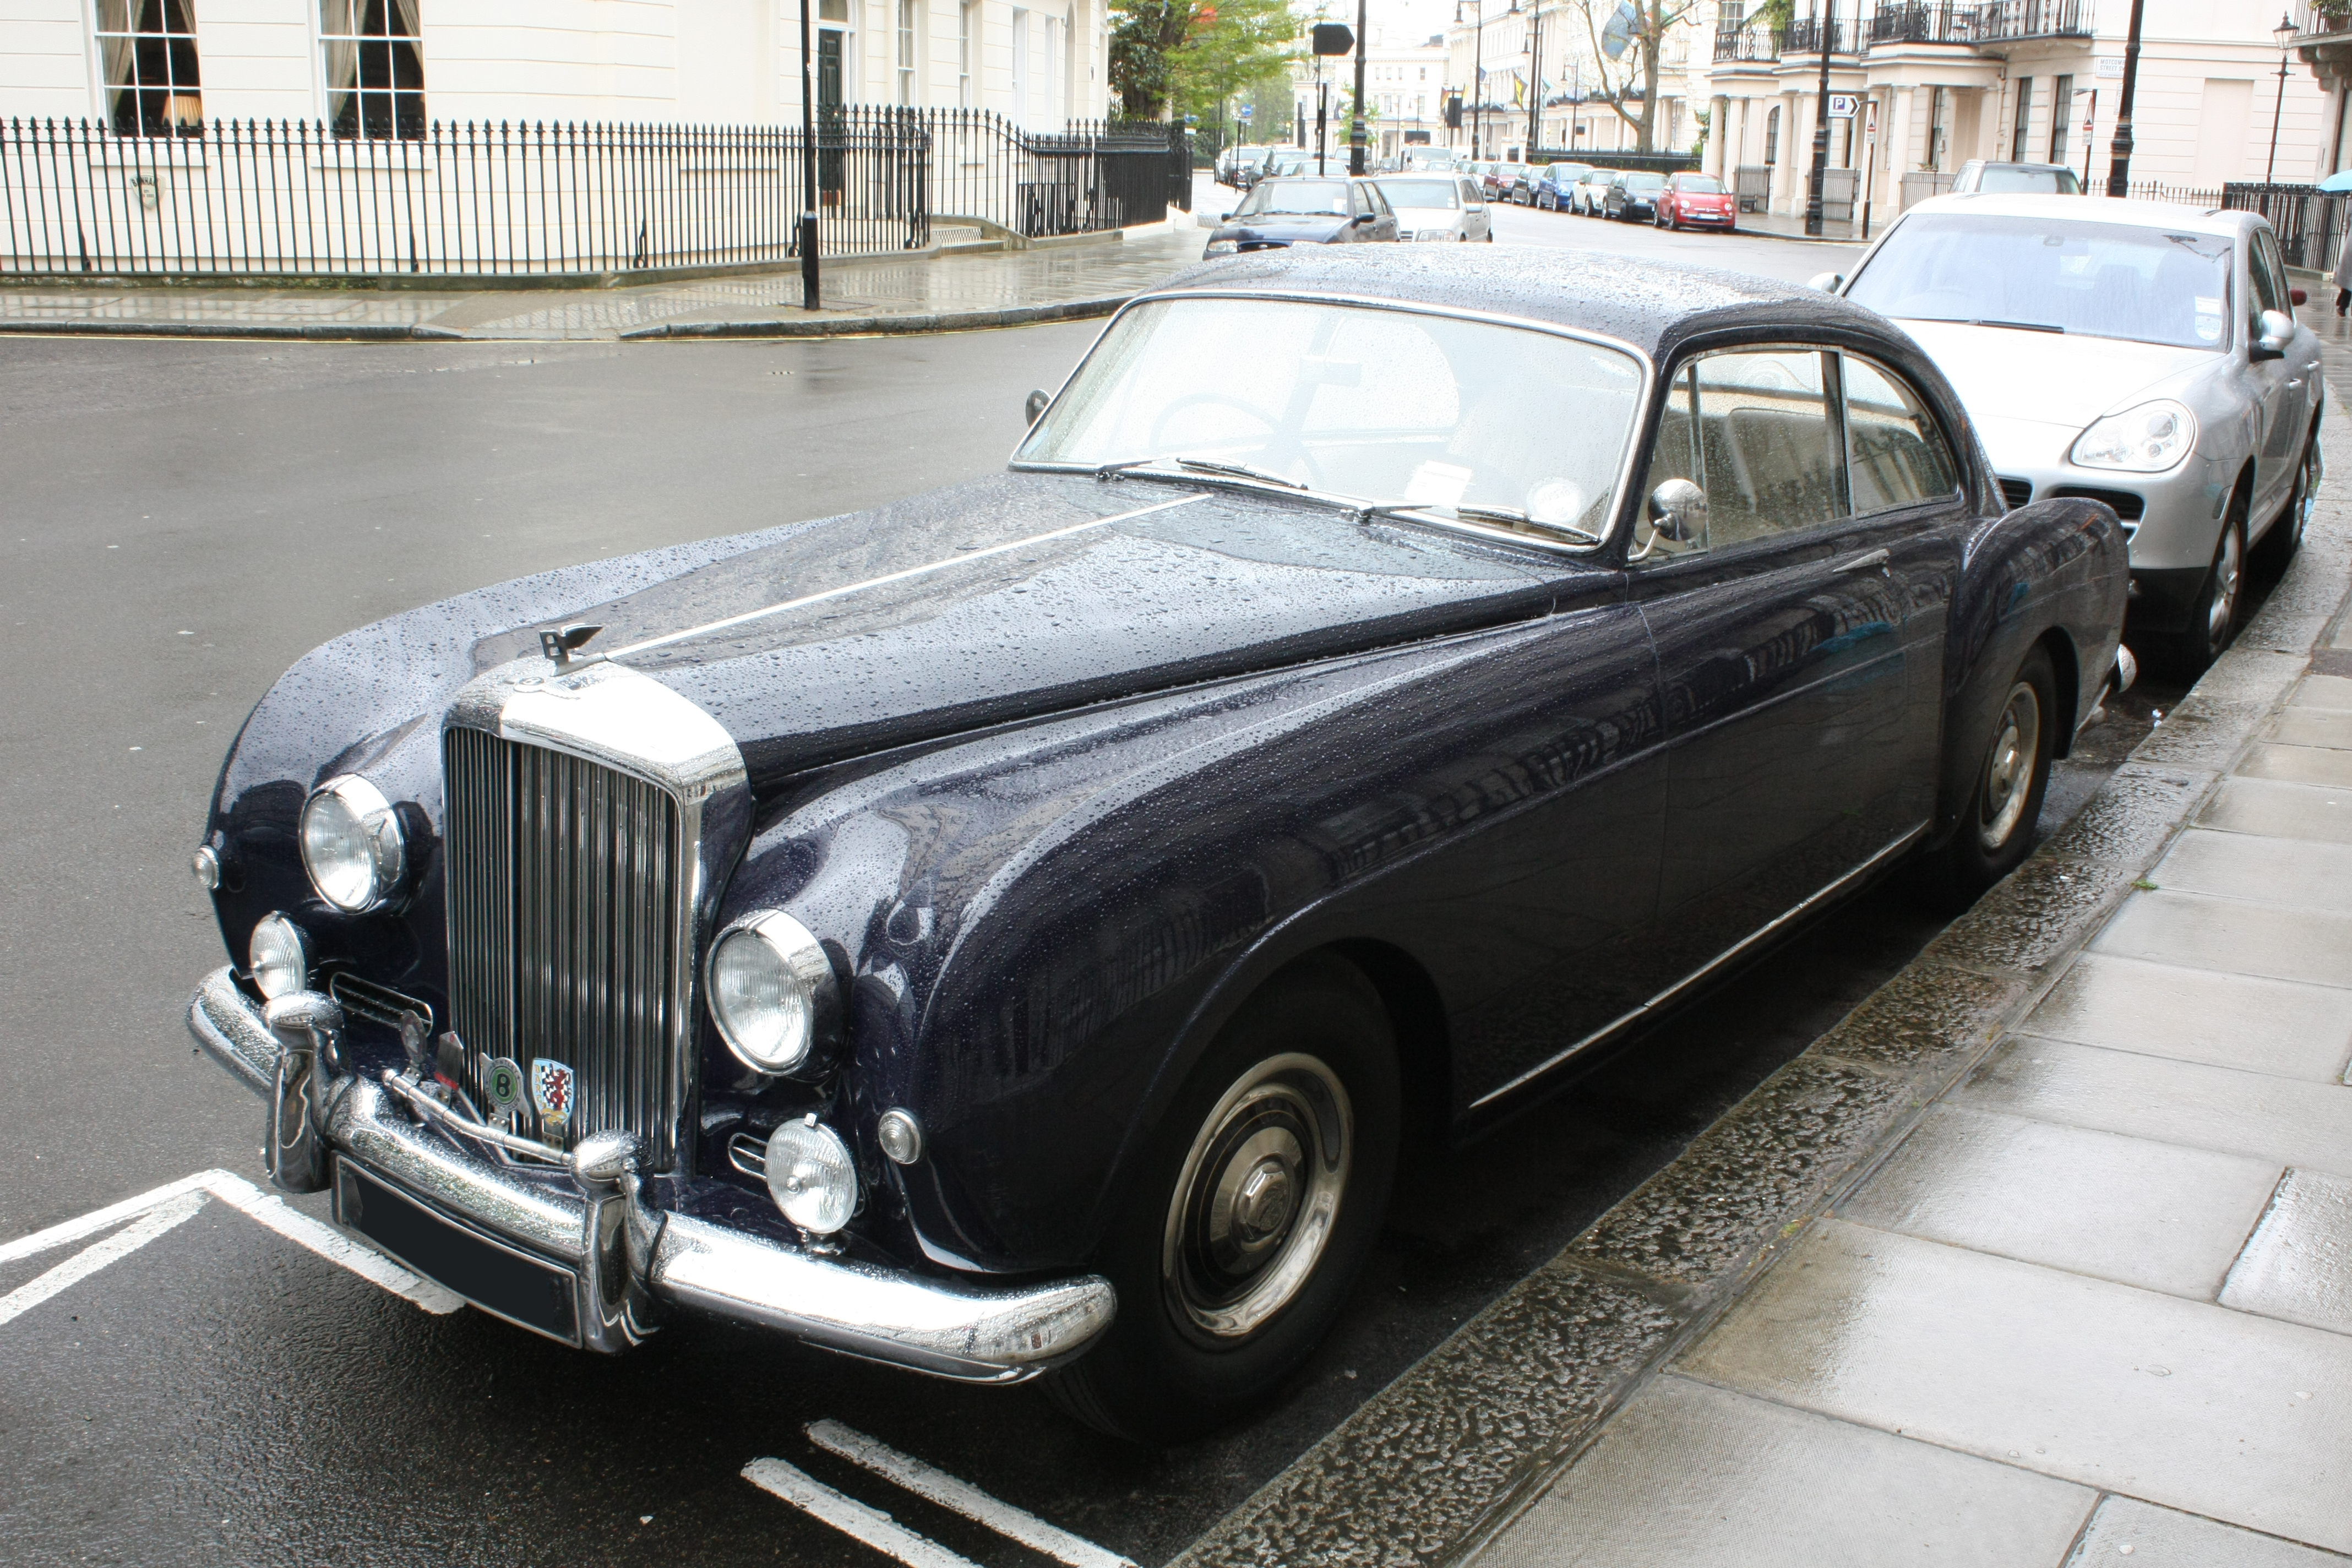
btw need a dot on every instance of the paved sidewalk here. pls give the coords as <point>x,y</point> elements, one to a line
<point>927,293</point>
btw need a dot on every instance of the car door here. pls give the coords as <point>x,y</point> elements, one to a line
<point>1384,220</point>
<point>1476,222</point>
<point>1800,640</point>
<point>2289,383</point>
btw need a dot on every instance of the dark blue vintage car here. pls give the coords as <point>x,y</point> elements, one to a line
<point>1011,931</point>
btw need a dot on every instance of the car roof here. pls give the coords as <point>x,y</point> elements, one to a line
<point>2170,216</point>
<point>1636,300</point>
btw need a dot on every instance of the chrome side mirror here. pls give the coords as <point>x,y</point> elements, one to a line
<point>1827,282</point>
<point>1678,511</point>
<point>2278,331</point>
<point>1034,408</point>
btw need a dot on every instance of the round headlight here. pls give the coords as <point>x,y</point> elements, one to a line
<point>277,957</point>
<point>773,997</point>
<point>352,844</point>
<point>812,1176</point>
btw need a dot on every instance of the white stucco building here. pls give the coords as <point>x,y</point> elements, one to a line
<point>381,66</point>
<point>1404,92</point>
<point>2038,80</point>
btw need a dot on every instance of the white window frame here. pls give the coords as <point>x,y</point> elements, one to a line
<point>318,39</point>
<point>904,51</point>
<point>101,111</point>
<point>967,11</point>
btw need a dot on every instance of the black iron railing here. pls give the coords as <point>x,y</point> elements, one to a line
<point>292,199</point>
<point>2006,19</point>
<point>1804,35</point>
<point>2309,225</point>
<point>1738,43</point>
<point>1923,22</point>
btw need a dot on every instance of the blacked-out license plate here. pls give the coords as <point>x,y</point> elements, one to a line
<point>500,1279</point>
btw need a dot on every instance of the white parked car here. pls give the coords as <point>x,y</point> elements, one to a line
<point>1438,206</point>
<point>2137,353</point>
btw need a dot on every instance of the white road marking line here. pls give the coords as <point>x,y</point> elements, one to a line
<point>265,1209</point>
<point>97,1220</point>
<point>270,1210</point>
<point>173,1212</point>
<point>850,1517</point>
<point>927,1481</point>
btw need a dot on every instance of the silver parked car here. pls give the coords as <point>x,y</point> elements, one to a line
<point>2137,353</point>
<point>1438,206</point>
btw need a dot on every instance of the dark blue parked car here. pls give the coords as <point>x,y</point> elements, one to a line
<point>1282,212</point>
<point>1012,930</point>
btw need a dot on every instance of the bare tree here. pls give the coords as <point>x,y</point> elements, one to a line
<point>1643,25</point>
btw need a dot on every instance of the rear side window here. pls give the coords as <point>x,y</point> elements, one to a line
<point>1895,454</point>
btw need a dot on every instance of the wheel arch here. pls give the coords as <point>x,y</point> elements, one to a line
<point>1424,1044</point>
<point>2066,669</point>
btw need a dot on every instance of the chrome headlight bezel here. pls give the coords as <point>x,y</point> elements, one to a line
<point>351,818</point>
<point>278,956</point>
<point>2131,447</point>
<point>795,1031</point>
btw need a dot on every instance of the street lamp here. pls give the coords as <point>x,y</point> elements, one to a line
<point>1821,124</point>
<point>2285,34</point>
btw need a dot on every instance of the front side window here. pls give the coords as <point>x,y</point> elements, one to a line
<point>1500,425</point>
<point>1753,429</point>
<point>371,55</point>
<point>1896,455</point>
<point>2052,274</point>
<point>147,55</point>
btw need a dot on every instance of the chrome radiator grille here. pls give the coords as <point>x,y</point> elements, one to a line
<point>569,901</point>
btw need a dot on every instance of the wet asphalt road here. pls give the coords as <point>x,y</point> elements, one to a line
<point>178,522</point>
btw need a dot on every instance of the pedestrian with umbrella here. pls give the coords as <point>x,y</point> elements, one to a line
<point>2335,185</point>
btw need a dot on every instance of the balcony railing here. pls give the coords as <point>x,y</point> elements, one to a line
<point>1750,44</point>
<point>1898,22</point>
<point>1805,33</point>
<point>2004,20</point>
<point>1924,22</point>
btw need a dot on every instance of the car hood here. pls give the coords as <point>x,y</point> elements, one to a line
<point>1008,598</point>
<point>1284,229</point>
<point>2006,375</point>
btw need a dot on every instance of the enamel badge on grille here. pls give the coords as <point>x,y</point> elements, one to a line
<point>551,1086</point>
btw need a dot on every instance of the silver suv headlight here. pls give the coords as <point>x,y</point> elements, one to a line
<point>1219,247</point>
<point>2148,440</point>
<point>773,997</point>
<point>352,845</point>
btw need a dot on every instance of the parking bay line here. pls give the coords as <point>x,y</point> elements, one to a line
<point>851,1517</point>
<point>265,1208</point>
<point>173,1212</point>
<point>948,1492</point>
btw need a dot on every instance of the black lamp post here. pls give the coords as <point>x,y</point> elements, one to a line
<point>809,289</point>
<point>1356,149</point>
<point>2119,151</point>
<point>1821,125</point>
<point>2285,34</point>
<point>1535,79</point>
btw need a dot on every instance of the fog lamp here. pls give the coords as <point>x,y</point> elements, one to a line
<point>352,846</point>
<point>277,957</point>
<point>812,1176</point>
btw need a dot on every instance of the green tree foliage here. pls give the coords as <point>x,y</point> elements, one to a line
<point>1190,57</point>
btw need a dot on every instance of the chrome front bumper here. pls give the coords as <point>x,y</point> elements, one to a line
<point>630,1262</point>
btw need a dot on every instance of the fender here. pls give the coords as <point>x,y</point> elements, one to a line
<point>2052,566</point>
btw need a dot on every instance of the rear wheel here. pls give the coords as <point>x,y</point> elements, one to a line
<point>1997,826</point>
<point>2275,548</point>
<point>1258,1201</point>
<point>2213,618</point>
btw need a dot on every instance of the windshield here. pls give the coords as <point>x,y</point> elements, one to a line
<point>1645,183</point>
<point>1421,193</point>
<point>1311,198</point>
<point>1996,181</point>
<point>2059,274</point>
<point>1383,406</point>
<point>1703,183</point>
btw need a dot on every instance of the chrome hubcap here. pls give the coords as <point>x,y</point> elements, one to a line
<point>2009,768</point>
<point>2223,606</point>
<point>1260,1191</point>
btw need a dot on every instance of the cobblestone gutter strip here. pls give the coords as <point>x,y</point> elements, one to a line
<point>1436,1463</point>
<point>869,326</point>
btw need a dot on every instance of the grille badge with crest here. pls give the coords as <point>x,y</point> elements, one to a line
<point>552,1084</point>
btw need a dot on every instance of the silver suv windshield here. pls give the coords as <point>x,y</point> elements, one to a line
<point>1377,407</point>
<point>2052,274</point>
<point>1408,193</point>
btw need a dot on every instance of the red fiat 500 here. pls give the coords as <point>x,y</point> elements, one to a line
<point>1698,199</point>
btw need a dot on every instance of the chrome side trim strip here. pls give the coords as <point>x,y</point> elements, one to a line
<point>1727,955</point>
<point>884,581</point>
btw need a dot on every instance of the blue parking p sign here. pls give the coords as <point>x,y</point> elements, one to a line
<point>1842,105</point>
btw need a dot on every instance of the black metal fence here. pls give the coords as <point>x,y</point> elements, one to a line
<point>1897,22</point>
<point>257,199</point>
<point>2309,225</point>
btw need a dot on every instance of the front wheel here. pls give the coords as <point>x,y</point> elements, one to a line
<point>2213,618</point>
<point>1997,826</point>
<point>1258,1199</point>
<point>2277,548</point>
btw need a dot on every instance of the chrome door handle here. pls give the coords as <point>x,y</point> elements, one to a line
<point>1863,563</point>
<point>2295,381</point>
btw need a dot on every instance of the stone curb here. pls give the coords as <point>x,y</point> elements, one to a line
<point>313,331</point>
<point>1435,1466</point>
<point>875,326</point>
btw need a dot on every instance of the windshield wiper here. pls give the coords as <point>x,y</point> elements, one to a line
<point>1472,514</point>
<point>1240,471</point>
<point>2021,326</point>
